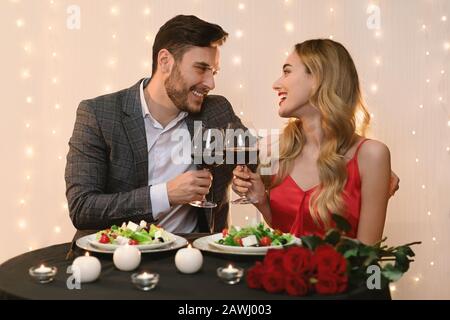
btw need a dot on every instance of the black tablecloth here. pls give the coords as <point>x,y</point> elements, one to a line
<point>15,281</point>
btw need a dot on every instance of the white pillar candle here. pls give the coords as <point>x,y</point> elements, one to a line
<point>188,260</point>
<point>127,258</point>
<point>87,268</point>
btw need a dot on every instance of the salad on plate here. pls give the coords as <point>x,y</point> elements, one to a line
<point>254,236</point>
<point>131,233</point>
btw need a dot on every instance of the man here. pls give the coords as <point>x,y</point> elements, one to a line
<point>119,165</point>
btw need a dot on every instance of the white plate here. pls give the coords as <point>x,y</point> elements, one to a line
<point>208,244</point>
<point>86,244</point>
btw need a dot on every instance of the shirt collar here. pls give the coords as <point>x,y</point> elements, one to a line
<point>146,112</point>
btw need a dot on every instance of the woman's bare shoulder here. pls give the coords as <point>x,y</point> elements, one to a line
<point>374,155</point>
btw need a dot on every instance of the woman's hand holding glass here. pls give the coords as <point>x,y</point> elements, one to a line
<point>250,184</point>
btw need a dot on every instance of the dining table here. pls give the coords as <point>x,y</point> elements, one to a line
<point>112,284</point>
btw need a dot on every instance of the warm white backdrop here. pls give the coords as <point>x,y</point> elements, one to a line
<point>47,68</point>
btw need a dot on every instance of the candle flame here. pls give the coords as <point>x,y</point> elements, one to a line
<point>86,254</point>
<point>42,266</point>
<point>230,267</point>
<point>189,246</point>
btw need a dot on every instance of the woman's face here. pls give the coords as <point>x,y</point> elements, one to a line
<point>294,87</point>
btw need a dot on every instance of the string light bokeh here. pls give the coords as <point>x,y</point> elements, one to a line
<point>48,68</point>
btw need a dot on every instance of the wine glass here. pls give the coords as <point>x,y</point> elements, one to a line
<point>207,153</point>
<point>241,148</point>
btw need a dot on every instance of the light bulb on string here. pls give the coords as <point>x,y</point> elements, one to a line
<point>25,74</point>
<point>20,23</point>
<point>29,151</point>
<point>22,224</point>
<point>289,26</point>
<point>114,11</point>
<point>377,61</point>
<point>241,6</point>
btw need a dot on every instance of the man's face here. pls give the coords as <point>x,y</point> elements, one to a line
<point>192,78</point>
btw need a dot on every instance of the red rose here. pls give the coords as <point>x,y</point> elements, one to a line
<point>327,260</point>
<point>329,283</point>
<point>297,260</point>
<point>254,276</point>
<point>274,259</point>
<point>273,280</point>
<point>295,285</point>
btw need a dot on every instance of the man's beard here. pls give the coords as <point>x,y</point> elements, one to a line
<point>179,97</point>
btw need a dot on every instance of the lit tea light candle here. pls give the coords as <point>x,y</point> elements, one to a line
<point>188,260</point>
<point>87,268</point>
<point>230,269</point>
<point>230,274</point>
<point>43,274</point>
<point>42,269</point>
<point>145,281</point>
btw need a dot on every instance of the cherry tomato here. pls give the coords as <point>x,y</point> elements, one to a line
<point>265,241</point>
<point>224,232</point>
<point>104,238</point>
<point>133,242</point>
<point>238,241</point>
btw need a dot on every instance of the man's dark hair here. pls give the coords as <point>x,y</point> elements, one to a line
<point>183,32</point>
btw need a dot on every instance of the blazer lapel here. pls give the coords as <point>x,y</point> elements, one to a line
<point>133,123</point>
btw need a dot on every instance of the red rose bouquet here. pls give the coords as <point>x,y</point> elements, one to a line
<point>328,265</point>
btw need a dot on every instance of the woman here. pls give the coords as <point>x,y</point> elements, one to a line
<point>326,165</point>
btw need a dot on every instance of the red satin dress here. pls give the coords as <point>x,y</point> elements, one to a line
<point>290,204</point>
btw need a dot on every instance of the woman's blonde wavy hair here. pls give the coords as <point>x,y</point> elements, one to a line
<point>338,98</point>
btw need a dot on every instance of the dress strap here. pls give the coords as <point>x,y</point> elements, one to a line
<point>359,147</point>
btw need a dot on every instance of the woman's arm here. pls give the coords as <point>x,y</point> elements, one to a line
<point>374,162</point>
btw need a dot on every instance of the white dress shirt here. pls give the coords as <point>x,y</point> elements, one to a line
<point>161,168</point>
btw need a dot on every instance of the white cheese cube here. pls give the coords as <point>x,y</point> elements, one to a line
<point>124,225</point>
<point>143,224</point>
<point>158,234</point>
<point>249,241</point>
<point>133,226</point>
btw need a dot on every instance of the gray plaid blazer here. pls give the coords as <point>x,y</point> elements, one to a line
<point>107,164</point>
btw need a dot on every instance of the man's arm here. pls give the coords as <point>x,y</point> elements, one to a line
<point>86,177</point>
